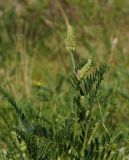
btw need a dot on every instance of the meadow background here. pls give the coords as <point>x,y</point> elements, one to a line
<point>35,68</point>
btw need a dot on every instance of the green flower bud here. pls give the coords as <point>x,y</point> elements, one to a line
<point>70,41</point>
<point>87,114</point>
<point>81,73</point>
<point>83,101</point>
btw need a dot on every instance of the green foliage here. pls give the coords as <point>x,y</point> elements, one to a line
<point>78,136</point>
<point>49,119</point>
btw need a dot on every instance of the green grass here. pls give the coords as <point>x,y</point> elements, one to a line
<point>35,68</point>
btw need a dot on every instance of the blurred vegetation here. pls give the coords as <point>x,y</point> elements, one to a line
<point>35,68</point>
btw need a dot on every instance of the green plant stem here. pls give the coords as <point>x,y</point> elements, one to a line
<point>84,144</point>
<point>102,118</point>
<point>73,61</point>
<point>93,132</point>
